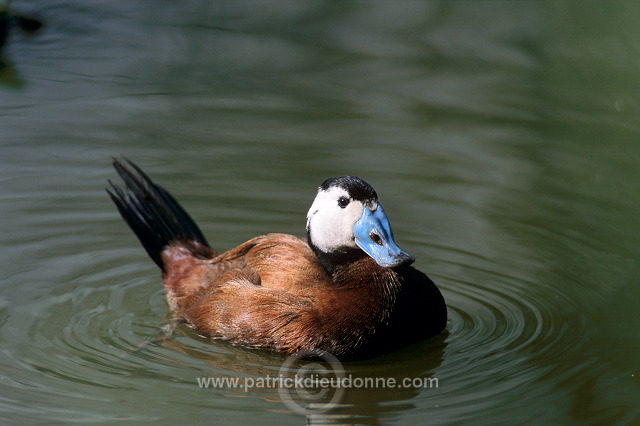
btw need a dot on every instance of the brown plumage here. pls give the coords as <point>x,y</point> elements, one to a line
<point>280,292</point>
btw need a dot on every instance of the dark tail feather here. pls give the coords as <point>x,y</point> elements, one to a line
<point>154,215</point>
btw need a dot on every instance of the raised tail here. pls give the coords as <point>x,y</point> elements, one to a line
<point>154,215</point>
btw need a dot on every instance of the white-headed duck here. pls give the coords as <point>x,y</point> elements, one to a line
<point>347,289</point>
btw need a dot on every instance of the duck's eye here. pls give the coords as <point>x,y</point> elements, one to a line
<point>343,202</point>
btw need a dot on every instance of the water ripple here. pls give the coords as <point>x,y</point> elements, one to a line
<point>515,322</point>
<point>105,332</point>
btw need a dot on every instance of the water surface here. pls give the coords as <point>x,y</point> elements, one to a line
<point>502,137</point>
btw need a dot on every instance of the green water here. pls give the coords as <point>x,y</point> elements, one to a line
<point>503,138</point>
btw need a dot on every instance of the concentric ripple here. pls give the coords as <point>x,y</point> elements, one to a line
<point>105,335</point>
<point>102,339</point>
<point>506,334</point>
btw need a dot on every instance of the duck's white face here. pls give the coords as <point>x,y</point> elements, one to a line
<point>331,220</point>
<point>337,222</point>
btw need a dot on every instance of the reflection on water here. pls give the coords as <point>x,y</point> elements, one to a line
<point>10,21</point>
<point>501,136</point>
<point>356,400</point>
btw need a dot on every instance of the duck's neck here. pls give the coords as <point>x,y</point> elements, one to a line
<point>332,260</point>
<point>370,279</point>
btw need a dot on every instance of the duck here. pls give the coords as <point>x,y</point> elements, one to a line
<point>347,288</point>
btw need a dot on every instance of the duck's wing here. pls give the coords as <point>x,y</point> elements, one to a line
<point>261,294</point>
<point>287,263</point>
<point>245,314</point>
<point>274,261</point>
